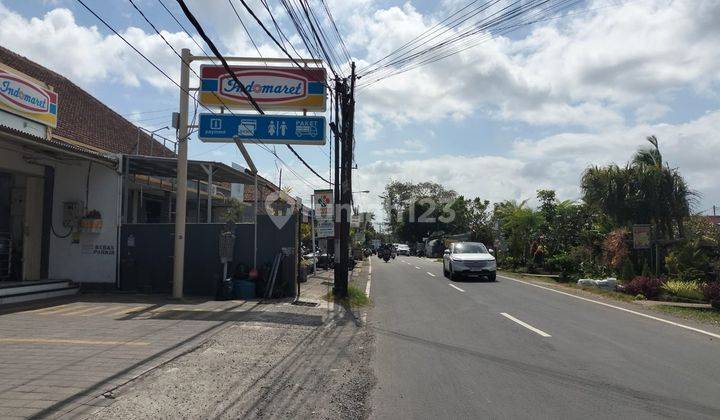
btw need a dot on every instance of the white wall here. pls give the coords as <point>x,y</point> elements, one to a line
<point>93,258</point>
<point>11,159</point>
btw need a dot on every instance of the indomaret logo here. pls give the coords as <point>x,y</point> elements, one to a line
<point>23,95</point>
<point>264,85</point>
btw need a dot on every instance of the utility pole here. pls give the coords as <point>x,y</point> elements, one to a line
<point>341,272</point>
<point>181,195</point>
<point>336,190</point>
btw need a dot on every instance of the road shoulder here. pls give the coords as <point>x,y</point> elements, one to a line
<point>266,369</point>
<point>608,299</point>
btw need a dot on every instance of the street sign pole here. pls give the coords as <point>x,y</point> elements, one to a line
<point>312,231</point>
<point>181,194</point>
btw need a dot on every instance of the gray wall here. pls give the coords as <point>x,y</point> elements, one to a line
<point>146,255</point>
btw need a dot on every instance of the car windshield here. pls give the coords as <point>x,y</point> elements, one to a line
<point>470,248</point>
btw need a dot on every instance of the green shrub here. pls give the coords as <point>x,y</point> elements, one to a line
<point>509,262</point>
<point>627,270</point>
<point>562,264</point>
<point>683,289</point>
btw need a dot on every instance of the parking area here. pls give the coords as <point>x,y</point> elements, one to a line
<point>65,358</point>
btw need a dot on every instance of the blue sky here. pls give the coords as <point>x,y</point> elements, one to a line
<point>499,121</point>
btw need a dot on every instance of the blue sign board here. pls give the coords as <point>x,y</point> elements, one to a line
<point>270,129</point>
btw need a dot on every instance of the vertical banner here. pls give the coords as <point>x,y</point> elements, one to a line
<point>324,213</point>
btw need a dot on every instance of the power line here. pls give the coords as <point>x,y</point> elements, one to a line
<point>242,87</point>
<point>507,19</point>
<point>156,111</point>
<point>183,27</point>
<point>337,31</point>
<point>245,28</point>
<point>282,48</point>
<point>317,29</point>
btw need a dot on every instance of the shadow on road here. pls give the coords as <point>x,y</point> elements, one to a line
<point>660,404</point>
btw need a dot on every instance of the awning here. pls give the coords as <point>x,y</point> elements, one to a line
<point>167,168</point>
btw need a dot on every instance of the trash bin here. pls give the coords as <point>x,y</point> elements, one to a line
<point>244,289</point>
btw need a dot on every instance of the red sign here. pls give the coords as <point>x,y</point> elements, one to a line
<point>27,99</point>
<point>273,88</point>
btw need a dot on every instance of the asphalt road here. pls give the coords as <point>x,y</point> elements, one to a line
<point>457,350</point>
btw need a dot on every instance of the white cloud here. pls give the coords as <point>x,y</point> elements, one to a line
<point>651,112</point>
<point>557,162</point>
<point>581,70</point>
<point>408,147</point>
<point>85,55</point>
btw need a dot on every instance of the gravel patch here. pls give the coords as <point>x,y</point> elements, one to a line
<point>284,367</point>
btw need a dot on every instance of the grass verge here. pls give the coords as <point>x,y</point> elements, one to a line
<point>594,290</point>
<point>708,315</point>
<point>356,297</point>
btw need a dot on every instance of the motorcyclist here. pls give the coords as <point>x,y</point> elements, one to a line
<point>385,252</point>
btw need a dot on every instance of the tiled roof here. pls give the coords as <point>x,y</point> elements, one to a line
<point>59,144</point>
<point>83,118</point>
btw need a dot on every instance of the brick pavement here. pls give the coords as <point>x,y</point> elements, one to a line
<point>59,360</point>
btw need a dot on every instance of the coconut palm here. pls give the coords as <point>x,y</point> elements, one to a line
<point>644,191</point>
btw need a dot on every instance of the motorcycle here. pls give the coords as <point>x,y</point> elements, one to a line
<point>386,257</point>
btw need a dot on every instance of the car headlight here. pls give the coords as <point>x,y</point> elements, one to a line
<point>492,264</point>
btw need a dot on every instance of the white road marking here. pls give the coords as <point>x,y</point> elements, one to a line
<point>367,286</point>
<point>455,287</point>
<point>417,267</point>
<point>526,325</point>
<point>431,274</point>
<point>618,308</point>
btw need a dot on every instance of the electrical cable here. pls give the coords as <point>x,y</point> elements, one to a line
<point>113,30</point>
<point>245,28</point>
<point>242,87</point>
<point>497,24</point>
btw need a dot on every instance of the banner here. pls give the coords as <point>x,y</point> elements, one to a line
<point>324,213</point>
<point>27,99</point>
<point>273,88</point>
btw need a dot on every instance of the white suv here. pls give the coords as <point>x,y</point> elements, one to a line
<point>470,259</point>
<point>402,249</point>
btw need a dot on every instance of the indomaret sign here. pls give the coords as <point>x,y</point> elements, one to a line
<point>273,88</point>
<point>23,97</point>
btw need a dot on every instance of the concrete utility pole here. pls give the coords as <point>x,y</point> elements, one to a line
<point>341,272</point>
<point>336,191</point>
<point>181,195</point>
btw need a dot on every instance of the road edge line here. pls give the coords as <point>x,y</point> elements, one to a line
<point>620,308</point>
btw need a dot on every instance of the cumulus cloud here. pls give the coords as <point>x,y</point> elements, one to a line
<point>85,55</point>
<point>557,162</point>
<point>580,70</point>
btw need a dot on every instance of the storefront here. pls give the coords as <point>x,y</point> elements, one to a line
<point>60,179</point>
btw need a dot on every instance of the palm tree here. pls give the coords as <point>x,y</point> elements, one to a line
<point>518,224</point>
<point>644,191</point>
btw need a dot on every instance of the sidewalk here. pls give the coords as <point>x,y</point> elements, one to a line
<point>72,358</point>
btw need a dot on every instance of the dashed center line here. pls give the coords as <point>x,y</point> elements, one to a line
<point>455,287</point>
<point>430,274</point>
<point>526,325</point>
